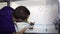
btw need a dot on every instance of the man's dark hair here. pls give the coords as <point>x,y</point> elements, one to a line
<point>21,12</point>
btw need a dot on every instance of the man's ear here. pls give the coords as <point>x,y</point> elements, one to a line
<point>13,18</point>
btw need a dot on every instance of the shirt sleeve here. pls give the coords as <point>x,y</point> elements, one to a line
<point>20,26</point>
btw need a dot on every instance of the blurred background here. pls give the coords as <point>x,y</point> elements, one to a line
<point>45,13</point>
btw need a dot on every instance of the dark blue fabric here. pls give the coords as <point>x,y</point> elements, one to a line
<point>6,22</point>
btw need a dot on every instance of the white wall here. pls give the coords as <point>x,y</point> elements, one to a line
<point>59,10</point>
<point>2,4</point>
<point>43,13</point>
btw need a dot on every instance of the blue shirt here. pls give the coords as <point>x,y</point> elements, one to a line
<point>6,22</point>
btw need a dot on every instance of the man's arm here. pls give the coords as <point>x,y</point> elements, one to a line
<point>23,30</point>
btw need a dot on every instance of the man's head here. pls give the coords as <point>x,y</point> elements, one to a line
<point>21,12</point>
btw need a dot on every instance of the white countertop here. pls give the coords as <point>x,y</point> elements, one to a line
<point>42,29</point>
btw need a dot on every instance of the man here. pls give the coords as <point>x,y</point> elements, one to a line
<point>21,15</point>
<point>6,22</point>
